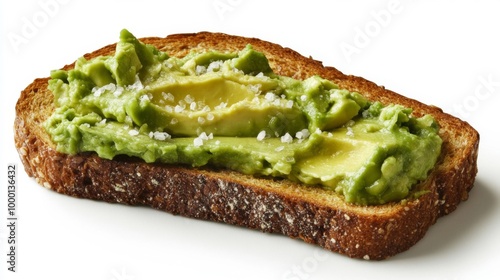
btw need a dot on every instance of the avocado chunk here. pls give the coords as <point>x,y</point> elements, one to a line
<point>230,110</point>
<point>251,62</point>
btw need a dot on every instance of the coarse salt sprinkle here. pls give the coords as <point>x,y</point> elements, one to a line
<point>261,135</point>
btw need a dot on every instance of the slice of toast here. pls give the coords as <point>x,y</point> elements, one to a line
<point>312,214</point>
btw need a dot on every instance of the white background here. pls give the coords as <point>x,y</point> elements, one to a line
<point>445,53</point>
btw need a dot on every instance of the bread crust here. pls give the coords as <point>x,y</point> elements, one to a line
<point>309,213</point>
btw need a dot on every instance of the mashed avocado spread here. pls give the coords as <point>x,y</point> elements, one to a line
<point>230,110</point>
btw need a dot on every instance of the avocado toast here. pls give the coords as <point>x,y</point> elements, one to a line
<point>276,205</point>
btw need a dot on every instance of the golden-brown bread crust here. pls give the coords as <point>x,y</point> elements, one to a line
<point>312,214</point>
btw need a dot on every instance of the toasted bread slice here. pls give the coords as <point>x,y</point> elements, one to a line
<point>312,214</point>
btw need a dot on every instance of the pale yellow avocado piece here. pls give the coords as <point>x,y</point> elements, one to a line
<point>218,104</point>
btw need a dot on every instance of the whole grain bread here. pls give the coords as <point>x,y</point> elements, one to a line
<point>309,213</point>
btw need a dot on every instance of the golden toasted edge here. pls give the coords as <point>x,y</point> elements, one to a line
<point>312,214</point>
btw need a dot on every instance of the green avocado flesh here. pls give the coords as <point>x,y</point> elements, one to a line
<point>229,110</point>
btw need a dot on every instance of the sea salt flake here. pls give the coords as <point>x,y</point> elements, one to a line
<point>179,109</point>
<point>200,69</point>
<point>255,88</point>
<point>215,65</point>
<point>303,134</point>
<point>203,136</point>
<point>168,96</point>
<point>192,106</point>
<point>261,135</point>
<point>144,98</point>
<point>137,85</point>
<point>349,132</point>
<point>270,96</point>
<point>98,91</point>
<point>287,138</point>
<point>133,132</point>
<point>197,142</point>
<point>157,135</point>
<point>102,122</point>
<point>222,105</point>
<point>262,76</point>
<point>189,98</point>
<point>118,91</point>
<point>280,148</point>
